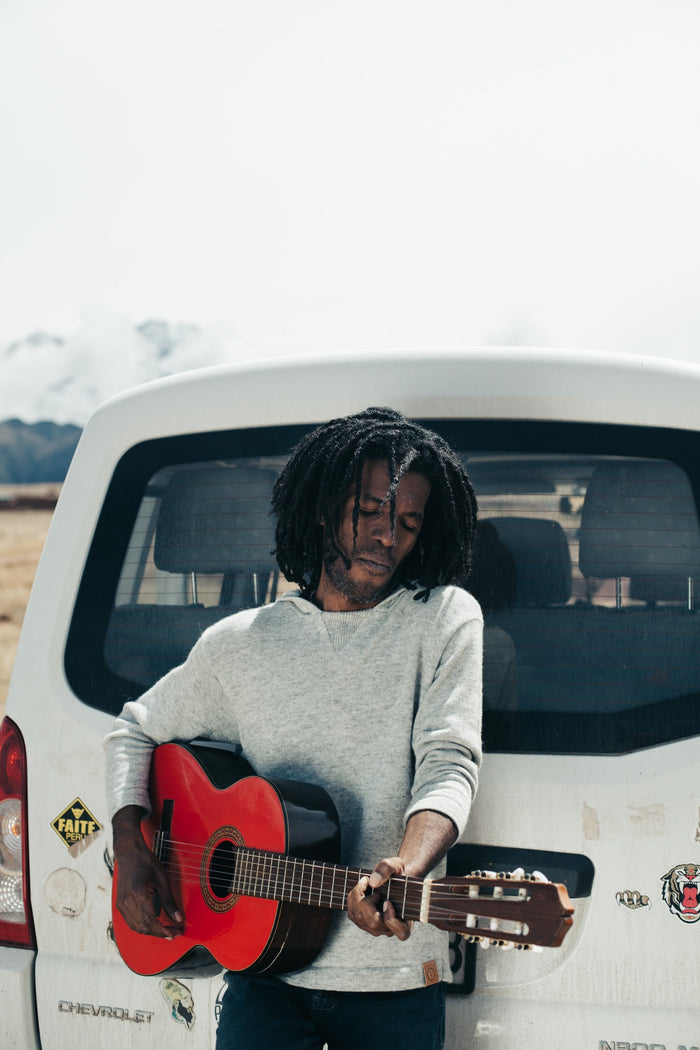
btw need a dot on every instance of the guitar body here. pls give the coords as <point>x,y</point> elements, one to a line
<point>211,803</point>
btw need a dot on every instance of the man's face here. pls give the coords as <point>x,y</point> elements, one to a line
<point>364,574</point>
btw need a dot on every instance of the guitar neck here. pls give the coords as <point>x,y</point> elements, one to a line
<point>275,876</point>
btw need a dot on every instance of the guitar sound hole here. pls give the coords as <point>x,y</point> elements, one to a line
<point>221,869</point>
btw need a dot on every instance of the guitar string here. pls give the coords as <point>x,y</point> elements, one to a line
<point>194,852</point>
<point>260,866</point>
<point>443,909</point>
<point>450,918</point>
<point>268,864</point>
<point>443,906</point>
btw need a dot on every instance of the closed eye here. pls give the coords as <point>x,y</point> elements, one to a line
<point>410,525</point>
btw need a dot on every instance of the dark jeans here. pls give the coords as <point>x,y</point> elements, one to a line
<point>265,1013</point>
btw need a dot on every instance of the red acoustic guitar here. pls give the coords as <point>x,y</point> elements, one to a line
<point>252,866</point>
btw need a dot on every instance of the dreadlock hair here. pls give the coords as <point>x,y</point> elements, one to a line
<point>313,486</point>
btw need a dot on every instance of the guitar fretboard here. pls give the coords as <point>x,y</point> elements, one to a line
<point>275,876</point>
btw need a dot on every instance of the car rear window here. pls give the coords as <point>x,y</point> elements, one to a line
<point>587,567</point>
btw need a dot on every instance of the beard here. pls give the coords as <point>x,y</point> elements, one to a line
<point>362,592</point>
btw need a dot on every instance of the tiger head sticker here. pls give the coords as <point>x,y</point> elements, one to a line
<point>681,889</point>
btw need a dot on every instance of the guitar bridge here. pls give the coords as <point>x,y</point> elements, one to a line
<point>161,837</point>
<point>161,841</point>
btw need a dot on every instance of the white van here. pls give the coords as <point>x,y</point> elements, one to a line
<point>587,467</point>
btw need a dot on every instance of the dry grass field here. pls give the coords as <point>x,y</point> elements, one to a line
<point>22,535</point>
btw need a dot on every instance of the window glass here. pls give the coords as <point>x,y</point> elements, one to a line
<point>587,567</point>
<point>201,548</point>
<point>588,571</point>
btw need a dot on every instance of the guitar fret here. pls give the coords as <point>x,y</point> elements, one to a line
<point>267,863</point>
<point>279,889</point>
<point>251,874</point>
<point>277,875</point>
<point>288,879</point>
<point>248,873</point>
<point>241,868</point>
<point>256,874</point>
<point>403,906</point>
<point>285,893</point>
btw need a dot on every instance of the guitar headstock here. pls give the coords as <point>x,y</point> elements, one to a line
<point>508,909</point>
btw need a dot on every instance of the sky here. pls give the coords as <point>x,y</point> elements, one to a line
<point>321,175</point>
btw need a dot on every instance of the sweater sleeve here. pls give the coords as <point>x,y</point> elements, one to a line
<point>181,706</point>
<point>447,728</point>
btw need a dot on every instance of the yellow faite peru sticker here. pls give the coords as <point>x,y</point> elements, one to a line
<point>75,823</point>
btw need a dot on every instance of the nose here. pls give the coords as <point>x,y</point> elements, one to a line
<point>381,530</point>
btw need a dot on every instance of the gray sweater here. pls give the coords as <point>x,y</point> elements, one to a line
<point>381,707</point>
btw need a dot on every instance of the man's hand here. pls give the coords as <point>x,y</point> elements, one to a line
<point>144,897</point>
<point>369,911</point>
<point>426,840</point>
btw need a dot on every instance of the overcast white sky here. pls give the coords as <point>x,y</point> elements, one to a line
<point>382,172</point>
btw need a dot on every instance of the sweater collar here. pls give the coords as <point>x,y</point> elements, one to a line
<point>309,609</point>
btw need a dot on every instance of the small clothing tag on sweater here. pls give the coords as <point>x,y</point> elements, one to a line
<point>430,972</point>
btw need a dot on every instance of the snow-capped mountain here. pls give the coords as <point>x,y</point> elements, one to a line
<point>64,378</point>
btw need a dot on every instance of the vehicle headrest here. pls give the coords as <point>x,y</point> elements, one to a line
<point>216,520</point>
<point>639,519</point>
<point>542,559</point>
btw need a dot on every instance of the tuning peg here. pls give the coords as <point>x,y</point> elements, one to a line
<point>471,938</point>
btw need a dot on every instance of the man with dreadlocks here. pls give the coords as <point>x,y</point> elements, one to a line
<point>366,681</point>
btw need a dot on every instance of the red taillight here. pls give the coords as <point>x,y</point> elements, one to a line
<point>15,914</point>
